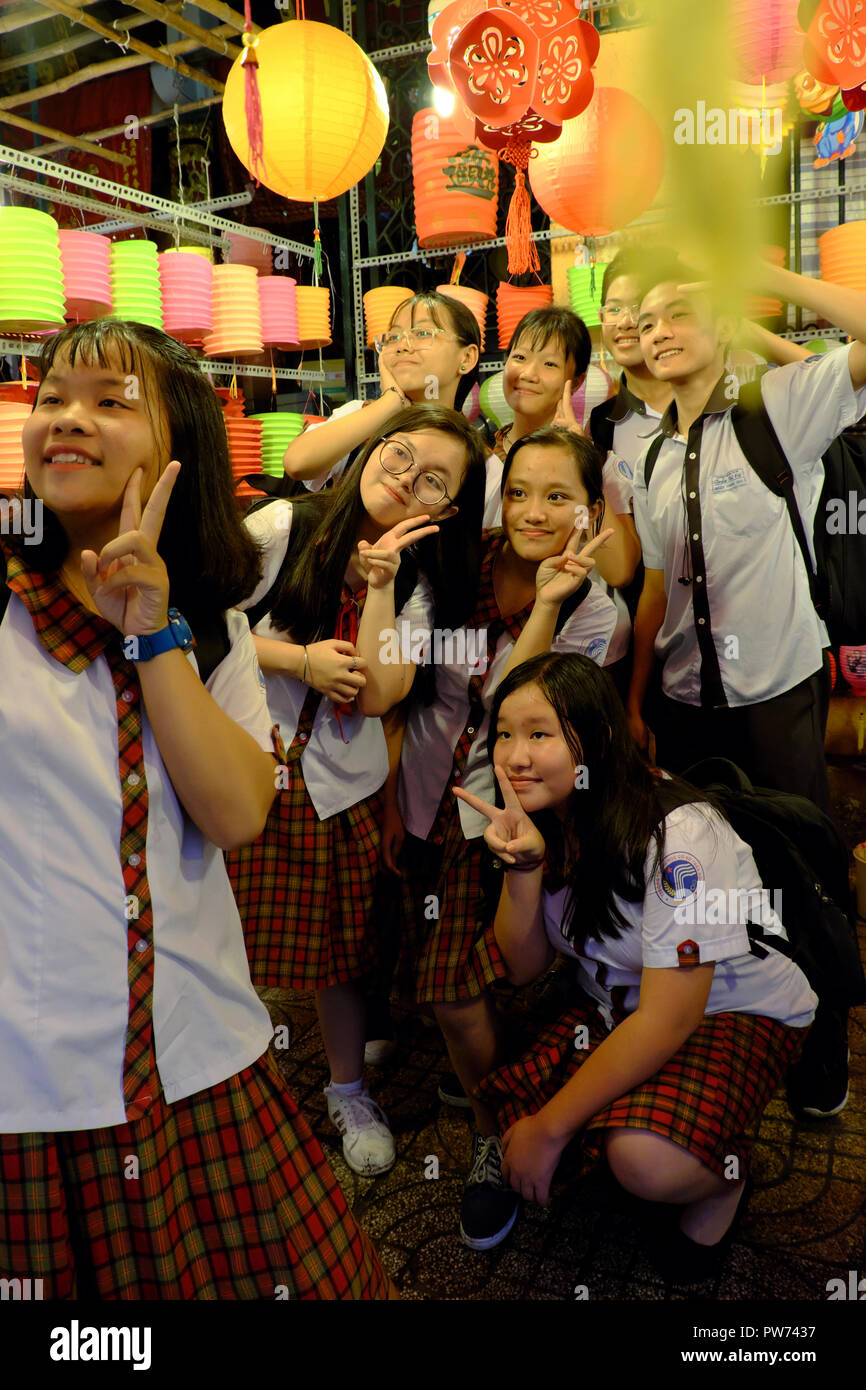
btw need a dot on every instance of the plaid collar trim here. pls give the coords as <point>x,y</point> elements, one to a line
<point>487,609</point>
<point>70,633</point>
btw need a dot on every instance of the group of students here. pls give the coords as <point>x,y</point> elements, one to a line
<point>216,733</point>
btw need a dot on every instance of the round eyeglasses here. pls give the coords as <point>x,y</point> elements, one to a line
<point>398,458</point>
<point>613,312</point>
<point>415,337</point>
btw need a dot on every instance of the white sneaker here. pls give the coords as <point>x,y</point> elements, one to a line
<point>368,1144</point>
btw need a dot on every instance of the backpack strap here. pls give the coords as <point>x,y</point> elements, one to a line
<point>601,427</point>
<point>760,444</point>
<point>651,459</point>
<point>4,590</point>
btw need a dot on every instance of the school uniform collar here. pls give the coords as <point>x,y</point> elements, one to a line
<point>625,403</point>
<point>718,403</point>
<point>69,632</point>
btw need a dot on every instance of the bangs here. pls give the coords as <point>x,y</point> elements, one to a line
<point>420,301</point>
<point>540,337</point>
<point>99,343</point>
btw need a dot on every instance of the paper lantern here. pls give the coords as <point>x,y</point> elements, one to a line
<point>475,302</point>
<point>135,287</point>
<point>565,251</point>
<point>324,111</point>
<point>835,47</point>
<point>471,407</point>
<point>278,301</point>
<point>519,68</point>
<point>456,184</point>
<point>597,386</point>
<point>237,317</point>
<point>278,429</point>
<point>605,168</point>
<point>760,306</point>
<point>584,286</point>
<point>86,261</point>
<point>513,301</point>
<point>31,272</point>
<point>380,306</point>
<point>843,255</point>
<point>314,316</point>
<point>767,42</point>
<point>206,251</point>
<point>187,295</point>
<point>13,415</point>
<point>246,250</point>
<point>493,403</point>
<point>769,109</point>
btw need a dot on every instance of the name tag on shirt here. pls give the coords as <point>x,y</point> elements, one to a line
<point>735,477</point>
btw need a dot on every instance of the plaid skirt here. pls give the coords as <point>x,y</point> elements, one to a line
<point>225,1194</point>
<point>449,948</point>
<point>708,1097</point>
<point>305,889</point>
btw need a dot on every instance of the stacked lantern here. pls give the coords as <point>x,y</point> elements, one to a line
<point>245,250</point>
<point>564,252</point>
<point>380,306</point>
<point>513,301</point>
<point>244,439</point>
<point>237,318</point>
<point>456,184</point>
<point>278,431</point>
<point>135,288</point>
<point>31,272</point>
<point>187,295</point>
<point>278,301</point>
<point>767,43</point>
<point>584,287</point>
<point>760,306</point>
<point>13,415</point>
<point>843,255</point>
<point>314,316</point>
<point>475,302</point>
<point>493,403</point>
<point>86,260</point>
<point>518,70</point>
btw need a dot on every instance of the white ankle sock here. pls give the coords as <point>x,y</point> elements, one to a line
<point>346,1088</point>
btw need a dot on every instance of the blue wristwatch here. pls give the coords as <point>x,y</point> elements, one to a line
<point>146,646</point>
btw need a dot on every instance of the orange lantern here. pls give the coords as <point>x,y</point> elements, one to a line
<point>324,112</point>
<point>456,183</point>
<point>314,315</point>
<point>513,301</point>
<point>759,306</point>
<point>475,302</point>
<point>380,306</point>
<point>605,168</point>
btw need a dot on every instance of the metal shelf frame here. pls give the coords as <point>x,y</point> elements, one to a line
<point>30,348</point>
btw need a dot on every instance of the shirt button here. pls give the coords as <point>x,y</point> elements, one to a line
<point>133,779</point>
<point>140,946</point>
<point>692,456</point>
<point>128,696</point>
<point>134,860</point>
<point>693,494</point>
<point>302,738</point>
<point>696,536</point>
<point>699,579</point>
<point>702,621</point>
<point>470,731</point>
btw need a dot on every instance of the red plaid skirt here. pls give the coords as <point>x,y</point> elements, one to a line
<point>225,1194</point>
<point>708,1097</point>
<point>453,955</point>
<point>304,890</point>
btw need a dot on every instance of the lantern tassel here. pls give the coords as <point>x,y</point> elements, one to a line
<point>522,255</point>
<point>252,96</point>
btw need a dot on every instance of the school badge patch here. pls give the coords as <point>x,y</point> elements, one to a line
<point>678,878</point>
<point>688,953</point>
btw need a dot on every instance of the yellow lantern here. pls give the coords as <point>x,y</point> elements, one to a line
<point>324,112</point>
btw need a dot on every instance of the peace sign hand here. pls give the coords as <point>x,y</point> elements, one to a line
<point>379,563</point>
<point>128,580</point>
<point>511,835</point>
<point>565,417</point>
<point>560,576</point>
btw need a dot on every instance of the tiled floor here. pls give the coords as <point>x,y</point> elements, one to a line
<point>805,1224</point>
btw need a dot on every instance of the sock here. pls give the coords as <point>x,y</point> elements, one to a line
<point>346,1088</point>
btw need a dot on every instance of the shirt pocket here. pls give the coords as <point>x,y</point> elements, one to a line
<point>737,505</point>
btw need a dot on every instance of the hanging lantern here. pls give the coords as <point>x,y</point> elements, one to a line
<point>518,69</point>
<point>767,44</point>
<point>835,47</point>
<point>324,111</point>
<point>605,168</point>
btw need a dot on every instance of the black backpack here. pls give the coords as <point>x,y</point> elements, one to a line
<point>838,589</point>
<point>211,635</point>
<point>798,853</point>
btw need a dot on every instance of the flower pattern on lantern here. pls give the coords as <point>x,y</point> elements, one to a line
<point>495,65</point>
<point>538,14</point>
<point>559,70</point>
<point>843,28</point>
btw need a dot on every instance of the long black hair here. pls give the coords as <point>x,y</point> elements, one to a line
<point>620,811</point>
<point>587,459</point>
<point>450,314</point>
<point>307,598</point>
<point>562,325</point>
<point>212,561</point>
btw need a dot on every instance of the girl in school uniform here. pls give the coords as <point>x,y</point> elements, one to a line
<point>534,594</point>
<point>678,1036</point>
<point>340,619</point>
<point>148,1147</point>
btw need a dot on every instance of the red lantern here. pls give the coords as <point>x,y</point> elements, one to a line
<point>605,168</point>
<point>518,70</point>
<point>835,47</point>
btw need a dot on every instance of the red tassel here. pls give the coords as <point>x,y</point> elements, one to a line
<point>522,255</point>
<point>252,98</point>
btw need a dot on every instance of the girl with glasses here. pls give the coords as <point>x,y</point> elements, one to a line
<point>392,553</point>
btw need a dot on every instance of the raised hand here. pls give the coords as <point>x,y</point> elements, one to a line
<point>334,668</point>
<point>379,563</point>
<point>511,835</point>
<point>565,417</point>
<point>560,576</point>
<point>128,580</point>
<point>389,383</point>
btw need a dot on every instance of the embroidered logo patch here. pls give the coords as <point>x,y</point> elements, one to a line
<point>678,878</point>
<point>624,468</point>
<point>595,649</point>
<point>736,477</point>
<point>688,953</point>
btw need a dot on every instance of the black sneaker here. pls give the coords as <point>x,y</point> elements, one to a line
<point>489,1208</point>
<point>817,1085</point>
<point>452,1093</point>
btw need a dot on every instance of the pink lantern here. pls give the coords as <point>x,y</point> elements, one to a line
<point>86,261</point>
<point>767,42</point>
<point>187,295</point>
<point>279,305</point>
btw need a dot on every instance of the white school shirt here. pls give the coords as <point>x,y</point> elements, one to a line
<point>757,587</point>
<point>340,768</point>
<point>433,731</point>
<point>492,500</point>
<point>703,858</point>
<point>64,984</point>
